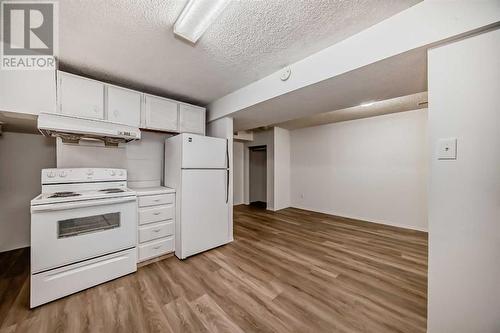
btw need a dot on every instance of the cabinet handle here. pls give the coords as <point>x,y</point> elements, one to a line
<point>227,166</point>
<point>157,230</point>
<point>156,213</point>
<point>156,247</point>
<point>157,200</point>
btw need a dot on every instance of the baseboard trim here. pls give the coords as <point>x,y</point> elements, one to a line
<point>20,247</point>
<point>353,218</point>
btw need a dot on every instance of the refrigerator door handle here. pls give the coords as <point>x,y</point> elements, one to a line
<point>227,153</point>
<point>227,186</point>
<point>227,166</point>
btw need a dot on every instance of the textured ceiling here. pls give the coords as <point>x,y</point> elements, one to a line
<point>130,42</point>
<point>400,75</point>
<point>393,105</point>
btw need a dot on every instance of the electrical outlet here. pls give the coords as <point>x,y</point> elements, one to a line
<point>447,149</point>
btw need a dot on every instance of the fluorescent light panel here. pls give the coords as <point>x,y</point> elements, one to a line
<point>197,16</point>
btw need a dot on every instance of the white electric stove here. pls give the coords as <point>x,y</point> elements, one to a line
<point>83,231</point>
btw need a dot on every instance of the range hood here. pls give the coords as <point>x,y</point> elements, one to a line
<point>73,129</point>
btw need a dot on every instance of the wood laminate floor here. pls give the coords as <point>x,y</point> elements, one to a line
<point>288,271</point>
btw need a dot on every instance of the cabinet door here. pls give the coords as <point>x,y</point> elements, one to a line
<point>28,92</point>
<point>192,119</point>
<point>80,97</point>
<point>161,114</point>
<point>123,106</point>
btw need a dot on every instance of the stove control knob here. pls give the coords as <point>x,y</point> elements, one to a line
<point>90,172</point>
<point>62,174</point>
<point>121,173</point>
<point>51,174</point>
<point>113,173</point>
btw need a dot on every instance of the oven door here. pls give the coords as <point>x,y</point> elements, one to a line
<point>65,233</point>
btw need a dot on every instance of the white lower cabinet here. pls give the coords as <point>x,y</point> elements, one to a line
<point>155,230</point>
<point>156,222</point>
<point>156,200</point>
<point>156,214</point>
<point>155,248</point>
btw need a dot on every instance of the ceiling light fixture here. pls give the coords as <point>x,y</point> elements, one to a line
<point>196,17</point>
<point>367,104</point>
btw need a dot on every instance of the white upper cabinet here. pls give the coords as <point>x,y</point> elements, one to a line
<point>192,119</point>
<point>81,97</point>
<point>29,92</point>
<point>123,106</point>
<point>160,114</point>
<point>86,98</point>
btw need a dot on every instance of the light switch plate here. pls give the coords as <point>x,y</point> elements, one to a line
<point>447,149</point>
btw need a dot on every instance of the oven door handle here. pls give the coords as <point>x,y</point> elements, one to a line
<point>79,204</point>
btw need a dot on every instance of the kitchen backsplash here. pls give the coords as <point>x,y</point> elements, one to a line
<point>143,159</point>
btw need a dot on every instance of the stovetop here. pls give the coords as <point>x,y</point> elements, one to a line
<point>69,196</point>
<point>77,184</point>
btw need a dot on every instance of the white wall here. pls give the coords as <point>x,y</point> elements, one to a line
<point>464,194</point>
<point>372,169</point>
<point>143,159</point>
<point>22,156</point>
<point>281,168</point>
<point>238,172</point>
<point>258,175</point>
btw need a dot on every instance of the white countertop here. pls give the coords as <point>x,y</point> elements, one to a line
<point>141,191</point>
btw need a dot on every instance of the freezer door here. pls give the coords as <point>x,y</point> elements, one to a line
<point>203,152</point>
<point>204,211</point>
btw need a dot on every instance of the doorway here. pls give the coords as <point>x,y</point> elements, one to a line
<point>258,176</point>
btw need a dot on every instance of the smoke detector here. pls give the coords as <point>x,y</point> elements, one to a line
<point>285,73</point>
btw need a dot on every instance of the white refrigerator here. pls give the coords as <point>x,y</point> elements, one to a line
<point>198,168</point>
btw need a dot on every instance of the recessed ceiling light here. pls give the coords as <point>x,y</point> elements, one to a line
<point>367,104</point>
<point>196,17</point>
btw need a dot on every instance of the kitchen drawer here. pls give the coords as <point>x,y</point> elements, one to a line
<point>156,214</point>
<point>155,248</point>
<point>56,283</point>
<point>153,200</point>
<point>156,230</point>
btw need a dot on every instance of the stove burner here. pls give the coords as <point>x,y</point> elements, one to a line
<point>112,190</point>
<point>64,194</point>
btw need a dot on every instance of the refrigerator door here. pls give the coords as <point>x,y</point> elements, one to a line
<point>204,211</point>
<point>203,152</point>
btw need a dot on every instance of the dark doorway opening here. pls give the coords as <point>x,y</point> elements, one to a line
<point>258,176</point>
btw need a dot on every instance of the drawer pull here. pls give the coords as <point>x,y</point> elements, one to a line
<point>156,200</point>
<point>156,213</point>
<point>157,230</point>
<point>156,247</point>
